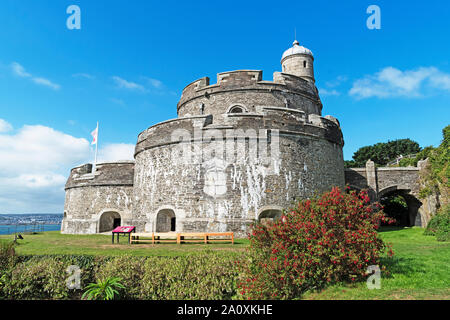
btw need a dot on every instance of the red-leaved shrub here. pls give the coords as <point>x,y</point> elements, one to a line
<point>331,238</point>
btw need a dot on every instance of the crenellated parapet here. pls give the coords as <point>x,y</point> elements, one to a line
<point>287,121</point>
<point>248,88</point>
<point>118,173</point>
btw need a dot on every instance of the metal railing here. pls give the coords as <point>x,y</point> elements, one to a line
<point>397,160</point>
<point>27,228</point>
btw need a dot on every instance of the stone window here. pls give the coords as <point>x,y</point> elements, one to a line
<point>268,216</point>
<point>165,221</point>
<point>236,109</point>
<point>304,64</point>
<point>108,221</point>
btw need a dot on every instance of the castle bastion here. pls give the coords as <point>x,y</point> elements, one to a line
<point>240,150</point>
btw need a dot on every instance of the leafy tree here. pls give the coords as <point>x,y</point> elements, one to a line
<point>383,152</point>
<point>349,164</point>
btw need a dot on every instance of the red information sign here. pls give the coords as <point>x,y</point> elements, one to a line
<point>126,229</point>
<point>123,230</point>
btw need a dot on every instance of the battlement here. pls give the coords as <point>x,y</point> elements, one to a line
<point>118,173</point>
<point>289,121</point>
<point>250,80</point>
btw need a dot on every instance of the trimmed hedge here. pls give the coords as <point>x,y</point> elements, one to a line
<point>209,275</point>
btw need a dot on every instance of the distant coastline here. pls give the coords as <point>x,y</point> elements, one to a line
<point>29,222</point>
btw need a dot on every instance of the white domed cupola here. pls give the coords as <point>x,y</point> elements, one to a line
<point>298,61</point>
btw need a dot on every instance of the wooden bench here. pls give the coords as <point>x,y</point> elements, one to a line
<point>181,237</point>
<point>205,237</point>
<point>154,237</point>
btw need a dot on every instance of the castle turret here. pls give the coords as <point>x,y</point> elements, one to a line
<point>298,61</point>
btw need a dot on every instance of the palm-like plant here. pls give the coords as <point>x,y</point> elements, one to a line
<point>104,289</point>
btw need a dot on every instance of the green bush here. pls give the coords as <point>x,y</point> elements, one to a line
<point>328,239</point>
<point>37,279</point>
<point>129,269</point>
<point>439,225</point>
<point>8,256</point>
<point>103,289</point>
<point>208,276</point>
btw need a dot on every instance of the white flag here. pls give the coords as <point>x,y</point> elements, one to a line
<point>94,135</point>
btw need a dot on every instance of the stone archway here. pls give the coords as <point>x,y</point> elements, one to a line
<point>166,221</point>
<point>270,214</point>
<point>412,215</point>
<point>108,221</point>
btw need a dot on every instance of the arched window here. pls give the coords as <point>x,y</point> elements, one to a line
<point>269,216</point>
<point>166,221</point>
<point>108,221</point>
<point>236,109</point>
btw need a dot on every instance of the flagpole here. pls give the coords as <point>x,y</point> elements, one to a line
<point>96,149</point>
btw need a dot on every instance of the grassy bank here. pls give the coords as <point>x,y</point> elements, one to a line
<point>54,242</point>
<point>418,271</point>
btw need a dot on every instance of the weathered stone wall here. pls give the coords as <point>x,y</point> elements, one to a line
<point>91,196</point>
<point>356,178</point>
<point>301,65</point>
<point>282,149</point>
<point>388,181</point>
<point>220,194</point>
<point>245,88</point>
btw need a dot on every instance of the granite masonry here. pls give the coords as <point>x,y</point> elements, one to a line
<point>241,150</point>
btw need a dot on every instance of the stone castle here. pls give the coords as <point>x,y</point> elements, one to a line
<point>187,177</point>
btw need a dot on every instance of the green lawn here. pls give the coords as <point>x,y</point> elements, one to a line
<point>56,243</point>
<point>420,269</point>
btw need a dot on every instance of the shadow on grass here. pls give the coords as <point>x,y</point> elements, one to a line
<point>391,228</point>
<point>402,265</point>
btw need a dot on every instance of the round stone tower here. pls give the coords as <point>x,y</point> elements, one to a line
<point>241,149</point>
<point>98,201</point>
<point>298,61</point>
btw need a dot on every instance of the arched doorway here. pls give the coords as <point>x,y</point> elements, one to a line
<point>109,221</point>
<point>166,221</point>
<point>402,206</point>
<point>269,215</point>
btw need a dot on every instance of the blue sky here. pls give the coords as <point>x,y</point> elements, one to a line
<point>127,65</point>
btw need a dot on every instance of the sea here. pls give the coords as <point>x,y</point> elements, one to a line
<point>29,222</point>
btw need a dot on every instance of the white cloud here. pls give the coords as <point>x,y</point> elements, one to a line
<point>39,148</point>
<point>35,162</point>
<point>441,80</point>
<point>36,180</point>
<point>116,151</point>
<point>120,102</point>
<point>83,75</point>
<point>5,126</point>
<point>19,71</point>
<point>155,83</point>
<point>336,82</point>
<point>46,82</point>
<point>392,82</point>
<point>122,83</point>
<point>326,92</point>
